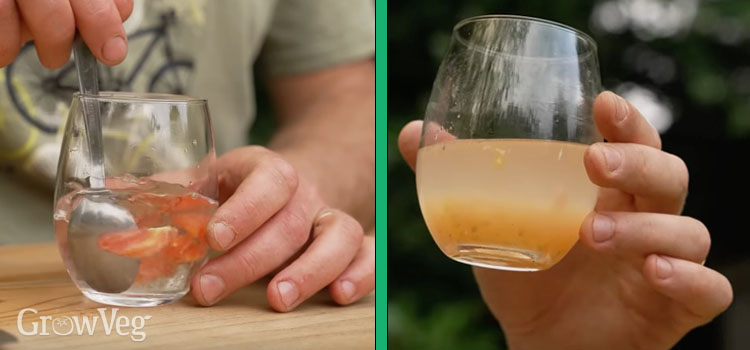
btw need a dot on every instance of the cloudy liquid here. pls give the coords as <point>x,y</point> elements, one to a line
<point>505,204</point>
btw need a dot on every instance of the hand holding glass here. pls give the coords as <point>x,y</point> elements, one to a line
<point>500,173</point>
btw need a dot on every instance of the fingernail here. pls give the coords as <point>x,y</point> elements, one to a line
<point>604,228</point>
<point>348,289</point>
<point>114,49</point>
<point>211,287</point>
<point>621,107</point>
<point>612,157</point>
<point>663,267</point>
<point>288,292</point>
<point>223,234</point>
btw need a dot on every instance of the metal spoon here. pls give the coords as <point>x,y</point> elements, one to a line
<point>96,213</point>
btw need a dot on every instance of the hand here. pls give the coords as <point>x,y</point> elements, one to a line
<point>52,25</point>
<point>635,279</point>
<point>270,216</point>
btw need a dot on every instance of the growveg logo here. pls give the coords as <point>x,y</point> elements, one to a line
<point>80,325</point>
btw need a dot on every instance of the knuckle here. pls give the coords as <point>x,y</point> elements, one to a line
<point>245,155</point>
<point>643,164</point>
<point>353,231</point>
<point>253,149</point>
<point>237,152</point>
<point>56,27</point>
<point>283,173</point>
<point>626,111</point>
<point>647,232</point>
<point>596,163</point>
<point>249,263</point>
<point>647,224</point>
<point>294,226</point>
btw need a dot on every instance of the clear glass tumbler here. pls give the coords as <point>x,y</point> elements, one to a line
<point>500,174</point>
<point>159,167</point>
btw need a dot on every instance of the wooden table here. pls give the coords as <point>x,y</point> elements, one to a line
<point>33,276</point>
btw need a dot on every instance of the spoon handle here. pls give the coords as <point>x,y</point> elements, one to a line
<point>87,69</point>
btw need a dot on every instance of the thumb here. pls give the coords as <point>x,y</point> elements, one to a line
<point>408,139</point>
<point>408,142</point>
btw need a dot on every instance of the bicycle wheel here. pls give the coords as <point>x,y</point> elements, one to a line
<point>39,95</point>
<point>172,78</point>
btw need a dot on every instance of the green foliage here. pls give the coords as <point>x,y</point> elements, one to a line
<point>446,326</point>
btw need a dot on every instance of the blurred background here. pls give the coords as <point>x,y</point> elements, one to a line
<point>685,64</point>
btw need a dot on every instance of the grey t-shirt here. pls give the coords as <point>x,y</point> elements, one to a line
<point>208,51</point>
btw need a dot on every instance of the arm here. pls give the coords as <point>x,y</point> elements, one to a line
<point>297,209</point>
<point>291,207</point>
<point>327,132</point>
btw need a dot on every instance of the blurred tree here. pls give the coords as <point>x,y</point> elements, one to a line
<point>684,63</point>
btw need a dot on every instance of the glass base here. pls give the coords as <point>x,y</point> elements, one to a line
<point>500,258</point>
<point>133,299</point>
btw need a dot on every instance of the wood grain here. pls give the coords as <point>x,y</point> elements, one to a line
<point>33,276</point>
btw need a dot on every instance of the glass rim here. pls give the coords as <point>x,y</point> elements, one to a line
<point>517,18</point>
<point>140,97</point>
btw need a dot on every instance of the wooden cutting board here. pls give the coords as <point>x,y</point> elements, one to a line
<point>33,276</point>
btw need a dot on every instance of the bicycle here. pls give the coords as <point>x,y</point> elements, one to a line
<point>51,89</point>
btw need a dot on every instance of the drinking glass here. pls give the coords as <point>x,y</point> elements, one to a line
<point>500,174</point>
<point>159,167</point>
